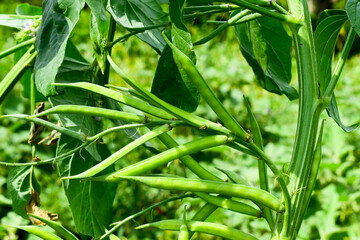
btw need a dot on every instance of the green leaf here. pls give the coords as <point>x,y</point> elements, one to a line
<point>99,12</point>
<point>333,112</point>
<point>171,83</point>
<point>16,21</point>
<point>329,25</point>
<point>353,12</point>
<point>19,186</point>
<point>90,202</point>
<point>180,35</point>
<point>325,36</point>
<point>58,20</point>
<point>269,58</point>
<point>137,14</point>
<point>27,9</point>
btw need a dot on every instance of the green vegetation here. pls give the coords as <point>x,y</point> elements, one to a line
<point>222,78</point>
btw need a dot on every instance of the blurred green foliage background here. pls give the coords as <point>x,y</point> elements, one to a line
<point>334,211</point>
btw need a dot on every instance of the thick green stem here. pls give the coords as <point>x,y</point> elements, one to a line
<point>309,112</point>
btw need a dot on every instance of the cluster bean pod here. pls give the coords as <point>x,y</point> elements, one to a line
<point>202,227</point>
<point>165,157</point>
<point>206,186</point>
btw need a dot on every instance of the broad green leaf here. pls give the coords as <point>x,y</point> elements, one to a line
<point>58,20</point>
<point>168,83</point>
<point>171,83</point>
<point>180,35</point>
<point>326,33</point>
<point>325,37</point>
<point>137,14</point>
<point>269,58</point>
<point>27,9</point>
<point>16,21</point>
<point>353,12</point>
<point>98,8</point>
<point>90,202</point>
<point>19,186</point>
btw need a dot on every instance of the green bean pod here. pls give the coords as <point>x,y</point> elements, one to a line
<point>16,72</point>
<point>120,97</point>
<point>229,204</point>
<point>205,91</point>
<point>165,157</point>
<point>203,227</point>
<point>188,161</point>
<point>59,229</point>
<point>38,231</point>
<point>262,169</point>
<point>121,153</point>
<point>93,111</point>
<point>204,212</point>
<point>206,186</point>
<point>313,173</point>
<point>192,119</point>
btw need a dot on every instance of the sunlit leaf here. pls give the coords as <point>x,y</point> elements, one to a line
<point>19,186</point>
<point>329,25</point>
<point>137,14</point>
<point>58,20</point>
<point>353,11</point>
<point>269,58</point>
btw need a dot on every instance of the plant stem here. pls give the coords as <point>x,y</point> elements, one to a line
<point>17,47</point>
<point>32,109</point>
<point>340,64</point>
<point>310,109</point>
<point>266,12</point>
<point>122,222</point>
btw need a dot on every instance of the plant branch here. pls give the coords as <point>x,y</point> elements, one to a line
<point>288,18</point>
<point>17,47</point>
<point>122,222</point>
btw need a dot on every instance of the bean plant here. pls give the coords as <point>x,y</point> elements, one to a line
<point>79,94</point>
